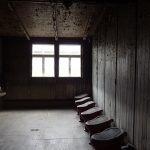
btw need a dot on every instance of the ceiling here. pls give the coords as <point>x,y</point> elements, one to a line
<point>41,18</point>
<point>51,18</point>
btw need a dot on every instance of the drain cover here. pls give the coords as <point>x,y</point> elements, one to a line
<point>34,129</point>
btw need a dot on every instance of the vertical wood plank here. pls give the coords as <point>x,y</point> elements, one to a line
<point>101,66</point>
<point>94,68</point>
<point>126,68</point>
<point>110,66</point>
<point>0,61</point>
<point>142,105</point>
<point>0,70</point>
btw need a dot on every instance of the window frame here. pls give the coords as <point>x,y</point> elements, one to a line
<point>71,56</point>
<point>43,57</point>
<point>43,65</point>
<point>56,56</point>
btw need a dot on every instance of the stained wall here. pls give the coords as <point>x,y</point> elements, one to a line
<point>22,89</point>
<point>121,69</point>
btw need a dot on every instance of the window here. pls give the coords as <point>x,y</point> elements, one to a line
<point>42,60</point>
<point>69,60</point>
<point>50,61</point>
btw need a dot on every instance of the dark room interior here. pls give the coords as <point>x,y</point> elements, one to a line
<point>52,52</point>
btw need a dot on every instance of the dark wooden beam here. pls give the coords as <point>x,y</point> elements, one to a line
<point>97,19</point>
<point>54,17</point>
<point>79,1</point>
<point>13,10</point>
<point>87,27</point>
<point>93,22</point>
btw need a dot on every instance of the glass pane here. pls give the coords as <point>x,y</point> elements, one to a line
<point>36,67</point>
<point>69,49</point>
<point>75,67</point>
<point>49,67</point>
<point>43,49</point>
<point>63,67</point>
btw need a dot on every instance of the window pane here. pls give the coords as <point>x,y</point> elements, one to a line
<point>69,49</point>
<point>75,67</point>
<point>36,67</point>
<point>43,49</point>
<point>63,67</point>
<point>49,67</point>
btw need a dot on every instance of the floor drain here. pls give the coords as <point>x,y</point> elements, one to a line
<point>34,129</point>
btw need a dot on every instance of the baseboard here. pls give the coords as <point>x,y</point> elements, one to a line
<point>37,104</point>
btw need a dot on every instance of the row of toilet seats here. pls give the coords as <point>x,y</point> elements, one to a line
<point>102,135</point>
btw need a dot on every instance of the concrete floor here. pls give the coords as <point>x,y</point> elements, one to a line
<point>42,130</point>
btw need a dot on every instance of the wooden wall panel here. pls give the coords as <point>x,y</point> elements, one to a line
<point>101,66</point>
<point>19,85</point>
<point>128,101</point>
<point>110,64</point>
<point>95,68</point>
<point>126,68</point>
<point>0,70</point>
<point>0,61</point>
<point>142,103</point>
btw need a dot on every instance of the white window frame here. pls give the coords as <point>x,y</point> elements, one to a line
<point>72,56</point>
<point>43,62</point>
